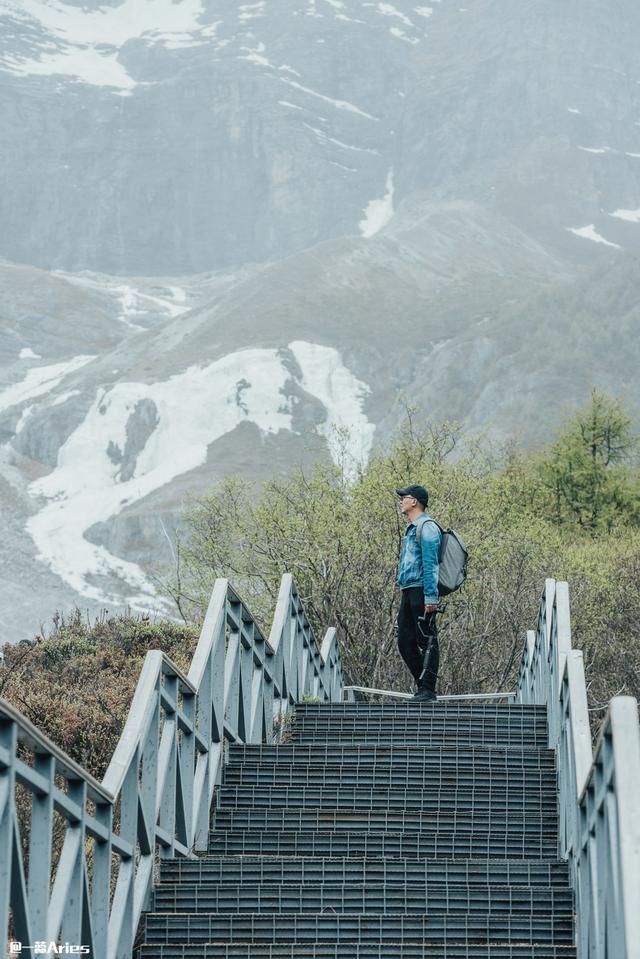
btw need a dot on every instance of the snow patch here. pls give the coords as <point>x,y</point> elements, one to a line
<point>341,166</point>
<point>84,43</point>
<point>256,55</point>
<point>378,212</point>
<point>39,381</point>
<point>251,11</point>
<point>596,149</point>
<point>87,485</point>
<point>288,69</point>
<point>85,488</point>
<point>631,216</point>
<point>90,66</point>
<point>401,35</point>
<point>345,146</point>
<point>26,353</point>
<point>26,413</point>
<point>589,233</point>
<point>340,104</point>
<point>388,10</point>
<point>135,303</point>
<point>59,400</point>
<point>342,395</point>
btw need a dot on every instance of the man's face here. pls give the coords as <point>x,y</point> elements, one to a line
<point>407,503</point>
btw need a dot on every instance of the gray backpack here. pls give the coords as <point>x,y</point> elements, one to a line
<point>452,558</point>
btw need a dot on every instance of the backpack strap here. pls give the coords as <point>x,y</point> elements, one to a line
<point>421,523</point>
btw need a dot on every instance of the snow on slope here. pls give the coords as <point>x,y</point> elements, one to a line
<point>100,470</point>
<point>631,216</point>
<point>85,43</point>
<point>342,395</point>
<point>378,212</point>
<point>589,233</point>
<point>40,380</point>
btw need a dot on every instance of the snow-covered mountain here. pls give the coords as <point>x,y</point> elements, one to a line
<point>234,232</point>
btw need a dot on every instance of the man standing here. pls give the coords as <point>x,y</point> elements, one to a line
<point>418,581</point>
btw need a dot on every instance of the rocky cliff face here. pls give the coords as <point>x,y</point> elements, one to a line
<point>155,138</point>
<point>236,230</point>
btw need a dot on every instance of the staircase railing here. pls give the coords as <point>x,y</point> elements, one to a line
<point>598,797</point>
<point>155,797</point>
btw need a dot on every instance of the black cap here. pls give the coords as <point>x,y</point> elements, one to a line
<point>418,492</point>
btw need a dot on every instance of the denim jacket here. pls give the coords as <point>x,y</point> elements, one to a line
<point>419,567</point>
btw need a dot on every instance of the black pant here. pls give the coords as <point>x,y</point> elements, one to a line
<point>418,641</point>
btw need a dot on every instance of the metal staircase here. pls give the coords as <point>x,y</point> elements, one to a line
<point>380,830</point>
<point>249,811</point>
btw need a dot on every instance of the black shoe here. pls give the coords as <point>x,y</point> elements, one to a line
<point>424,696</point>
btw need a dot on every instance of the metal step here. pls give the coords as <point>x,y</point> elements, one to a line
<point>244,869</point>
<point>429,802</point>
<point>431,777</point>
<point>389,898</point>
<point>444,705</point>
<point>339,819</point>
<point>353,950</point>
<point>450,708</point>
<point>419,730</point>
<point>554,928</point>
<point>457,756</point>
<point>458,844</point>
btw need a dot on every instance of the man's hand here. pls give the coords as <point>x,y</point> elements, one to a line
<point>430,607</point>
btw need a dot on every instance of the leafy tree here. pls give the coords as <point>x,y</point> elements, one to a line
<point>584,472</point>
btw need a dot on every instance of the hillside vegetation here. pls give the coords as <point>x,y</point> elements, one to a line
<point>570,511</point>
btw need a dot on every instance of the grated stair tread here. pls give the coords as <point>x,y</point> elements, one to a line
<point>375,820</point>
<point>555,927</point>
<point>315,870</point>
<point>457,755</point>
<point>351,950</point>
<point>413,897</point>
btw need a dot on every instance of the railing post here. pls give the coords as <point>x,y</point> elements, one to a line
<point>188,760</point>
<point>257,689</point>
<point>122,921</point>
<point>40,841</point>
<point>101,886</point>
<point>168,762</point>
<point>232,680</point>
<point>71,927</point>
<point>246,678</point>
<point>8,746</point>
<point>626,757</point>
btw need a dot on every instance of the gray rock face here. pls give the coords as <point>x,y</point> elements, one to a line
<point>139,427</point>
<point>205,135</point>
<point>48,427</point>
